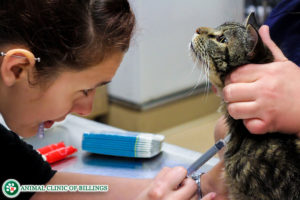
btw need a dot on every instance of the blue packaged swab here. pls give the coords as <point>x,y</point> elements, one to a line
<point>126,144</point>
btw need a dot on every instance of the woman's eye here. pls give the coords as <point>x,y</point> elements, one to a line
<point>222,39</point>
<point>86,92</point>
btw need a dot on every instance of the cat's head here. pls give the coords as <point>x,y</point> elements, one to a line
<point>226,47</point>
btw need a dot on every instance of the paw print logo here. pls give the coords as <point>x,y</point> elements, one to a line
<point>11,188</point>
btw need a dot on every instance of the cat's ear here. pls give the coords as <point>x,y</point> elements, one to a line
<point>252,20</point>
<point>254,38</point>
<point>256,45</point>
<point>252,31</point>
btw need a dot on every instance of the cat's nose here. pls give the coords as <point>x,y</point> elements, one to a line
<point>201,30</point>
<point>198,30</point>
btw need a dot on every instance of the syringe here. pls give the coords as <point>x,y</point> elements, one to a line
<point>207,155</point>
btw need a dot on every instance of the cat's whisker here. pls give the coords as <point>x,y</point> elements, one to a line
<point>200,60</point>
<point>197,64</point>
<point>206,70</point>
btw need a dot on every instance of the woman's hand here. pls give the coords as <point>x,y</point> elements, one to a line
<point>266,96</point>
<point>170,184</point>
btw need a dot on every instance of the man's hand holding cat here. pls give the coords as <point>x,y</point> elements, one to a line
<point>266,96</point>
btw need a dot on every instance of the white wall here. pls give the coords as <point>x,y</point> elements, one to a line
<point>158,62</point>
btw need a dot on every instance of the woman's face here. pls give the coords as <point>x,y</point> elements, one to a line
<point>28,106</point>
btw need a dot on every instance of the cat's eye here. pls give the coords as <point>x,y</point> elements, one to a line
<point>222,39</point>
<point>211,36</point>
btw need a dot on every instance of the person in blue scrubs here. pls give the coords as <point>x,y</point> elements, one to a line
<point>284,23</point>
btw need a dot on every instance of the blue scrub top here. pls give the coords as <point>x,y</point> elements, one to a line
<point>284,22</point>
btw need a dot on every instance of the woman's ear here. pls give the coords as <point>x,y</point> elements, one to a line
<point>16,65</point>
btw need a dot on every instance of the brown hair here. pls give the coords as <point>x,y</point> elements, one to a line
<point>67,34</point>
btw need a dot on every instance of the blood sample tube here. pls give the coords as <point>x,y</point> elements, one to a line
<point>51,147</point>
<point>59,154</point>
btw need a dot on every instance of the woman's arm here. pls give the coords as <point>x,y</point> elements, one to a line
<point>170,183</point>
<point>119,188</point>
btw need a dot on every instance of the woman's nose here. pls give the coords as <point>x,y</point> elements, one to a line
<point>84,106</point>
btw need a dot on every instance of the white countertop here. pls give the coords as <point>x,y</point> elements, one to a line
<point>70,131</point>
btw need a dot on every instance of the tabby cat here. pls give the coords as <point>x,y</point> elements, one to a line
<point>257,167</point>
